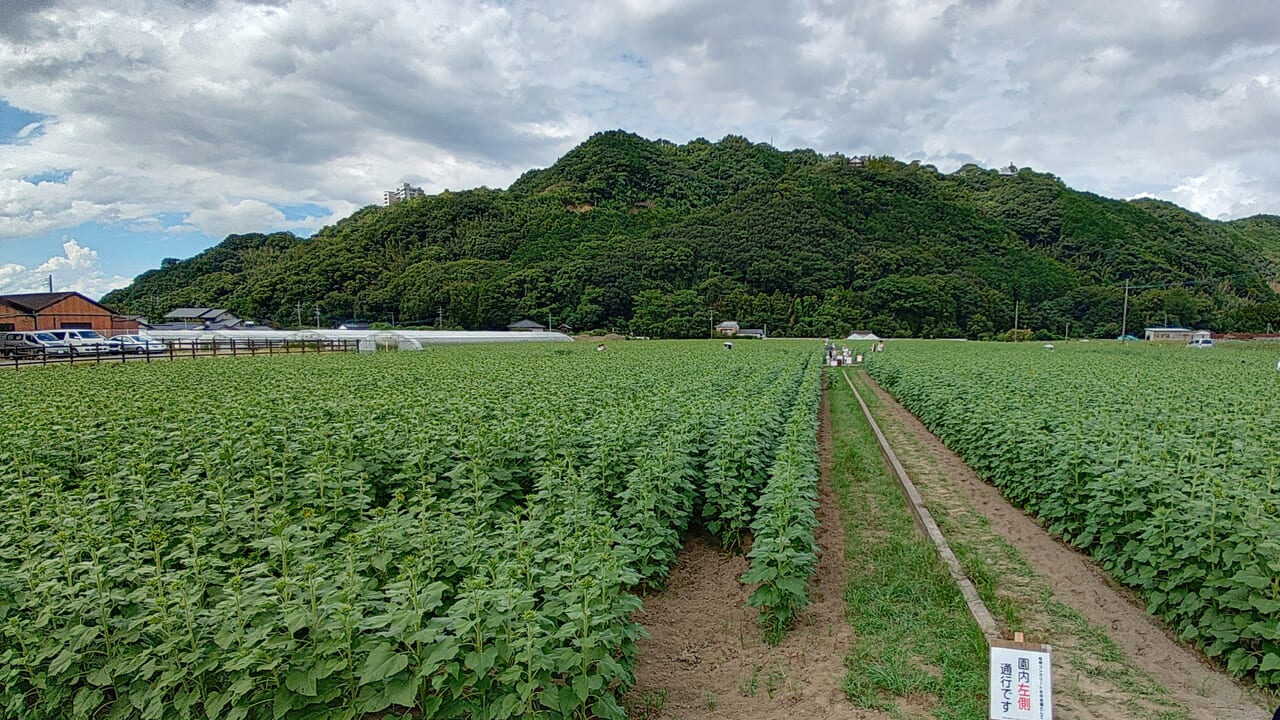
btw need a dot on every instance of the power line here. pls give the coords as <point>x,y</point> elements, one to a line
<point>1191,283</point>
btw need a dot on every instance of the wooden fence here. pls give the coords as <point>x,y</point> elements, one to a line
<point>180,349</point>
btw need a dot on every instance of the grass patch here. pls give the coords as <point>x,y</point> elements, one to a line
<point>648,706</point>
<point>916,641</point>
<point>1019,598</point>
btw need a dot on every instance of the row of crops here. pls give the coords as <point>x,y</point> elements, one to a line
<point>453,533</point>
<point>1162,462</point>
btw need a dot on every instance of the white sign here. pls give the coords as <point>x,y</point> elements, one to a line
<point>1021,681</point>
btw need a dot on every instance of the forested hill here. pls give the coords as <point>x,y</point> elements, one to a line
<point>655,239</point>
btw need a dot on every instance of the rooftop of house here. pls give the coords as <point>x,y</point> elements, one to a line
<point>32,302</point>
<point>526,325</point>
<point>195,313</point>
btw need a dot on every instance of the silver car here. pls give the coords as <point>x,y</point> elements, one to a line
<point>135,345</point>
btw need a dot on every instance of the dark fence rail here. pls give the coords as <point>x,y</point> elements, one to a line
<point>180,349</point>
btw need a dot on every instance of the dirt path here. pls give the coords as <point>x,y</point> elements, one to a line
<point>950,486</point>
<point>706,659</point>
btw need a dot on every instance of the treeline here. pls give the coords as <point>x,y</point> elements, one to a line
<point>657,239</point>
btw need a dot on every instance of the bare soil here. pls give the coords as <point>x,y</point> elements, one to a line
<point>1204,691</point>
<point>706,658</point>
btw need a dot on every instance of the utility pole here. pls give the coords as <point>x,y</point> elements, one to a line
<point>299,307</point>
<point>440,316</point>
<point>1068,329</point>
<point>51,283</point>
<point>1015,320</point>
<point>317,317</point>
<point>1124,319</point>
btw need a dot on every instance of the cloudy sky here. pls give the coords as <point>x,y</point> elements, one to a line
<point>135,130</point>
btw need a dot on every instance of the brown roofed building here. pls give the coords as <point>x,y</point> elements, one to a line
<point>60,311</point>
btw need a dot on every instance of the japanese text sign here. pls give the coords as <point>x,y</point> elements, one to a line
<point>1021,682</point>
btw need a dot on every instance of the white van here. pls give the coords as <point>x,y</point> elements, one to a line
<point>32,343</point>
<point>1200,343</point>
<point>82,342</point>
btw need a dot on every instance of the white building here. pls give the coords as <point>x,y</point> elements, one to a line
<point>1168,334</point>
<point>404,192</point>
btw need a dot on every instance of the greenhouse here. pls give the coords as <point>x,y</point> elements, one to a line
<point>368,340</point>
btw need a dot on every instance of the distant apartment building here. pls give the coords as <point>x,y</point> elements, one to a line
<point>404,192</point>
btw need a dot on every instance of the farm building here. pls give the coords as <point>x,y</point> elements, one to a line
<point>862,335</point>
<point>750,333</point>
<point>728,327</point>
<point>58,311</point>
<point>212,318</point>
<point>1168,334</point>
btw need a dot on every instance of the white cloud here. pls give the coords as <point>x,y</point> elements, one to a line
<point>1222,191</point>
<point>215,111</point>
<point>27,130</point>
<point>219,217</point>
<point>78,269</point>
<point>222,112</point>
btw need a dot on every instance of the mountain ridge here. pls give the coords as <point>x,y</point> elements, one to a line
<point>654,238</point>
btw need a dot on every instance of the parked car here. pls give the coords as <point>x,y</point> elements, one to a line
<point>81,342</point>
<point>29,344</point>
<point>1201,343</point>
<point>135,344</point>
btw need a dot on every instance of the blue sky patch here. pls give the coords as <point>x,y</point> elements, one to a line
<point>171,219</point>
<point>303,211</point>
<point>13,120</point>
<point>122,248</point>
<point>635,60</point>
<point>51,176</point>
